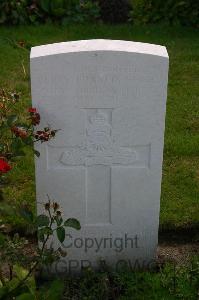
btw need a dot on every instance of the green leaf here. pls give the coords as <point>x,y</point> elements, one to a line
<point>28,141</point>
<point>74,223</point>
<point>42,232</point>
<point>21,273</point>
<point>55,291</point>
<point>37,153</point>
<point>47,231</point>
<point>25,296</point>
<point>3,291</point>
<point>58,220</point>
<point>40,235</point>
<point>17,147</point>
<point>11,119</point>
<point>61,234</point>
<point>43,220</point>
<point>45,5</point>
<point>13,284</point>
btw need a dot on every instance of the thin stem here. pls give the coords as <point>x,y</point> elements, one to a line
<point>2,278</point>
<point>41,254</point>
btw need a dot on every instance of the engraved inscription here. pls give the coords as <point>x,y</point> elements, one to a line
<point>98,154</point>
<point>99,147</point>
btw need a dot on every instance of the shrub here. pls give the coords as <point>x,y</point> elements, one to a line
<point>85,12</point>
<point>19,12</point>
<point>19,283</point>
<point>114,11</point>
<point>56,9</point>
<point>184,12</point>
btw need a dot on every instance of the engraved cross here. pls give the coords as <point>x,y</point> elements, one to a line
<point>99,153</point>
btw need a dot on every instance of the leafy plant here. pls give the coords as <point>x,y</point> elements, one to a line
<point>20,280</point>
<point>184,12</point>
<point>18,12</point>
<point>67,11</point>
<point>15,134</point>
<point>55,8</point>
<point>86,11</point>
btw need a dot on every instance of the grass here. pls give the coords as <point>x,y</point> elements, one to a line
<point>169,283</point>
<point>180,186</point>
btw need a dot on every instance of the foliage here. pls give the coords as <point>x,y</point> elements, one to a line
<point>114,11</point>
<point>170,283</point>
<point>15,134</point>
<point>56,8</point>
<point>185,12</point>
<point>18,12</point>
<point>20,280</point>
<point>29,290</point>
<point>87,11</point>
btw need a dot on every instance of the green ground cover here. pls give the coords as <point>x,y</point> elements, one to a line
<point>180,186</point>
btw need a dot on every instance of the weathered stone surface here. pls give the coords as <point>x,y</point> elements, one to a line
<point>104,166</point>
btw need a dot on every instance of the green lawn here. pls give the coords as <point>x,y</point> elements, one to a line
<point>180,187</point>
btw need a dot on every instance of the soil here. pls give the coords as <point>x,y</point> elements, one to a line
<point>178,246</point>
<point>179,254</point>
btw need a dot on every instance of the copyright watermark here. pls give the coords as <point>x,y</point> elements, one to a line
<point>118,244</point>
<point>72,266</point>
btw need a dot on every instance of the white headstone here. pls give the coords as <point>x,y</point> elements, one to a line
<point>104,167</point>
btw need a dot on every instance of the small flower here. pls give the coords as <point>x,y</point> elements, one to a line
<point>19,132</point>
<point>4,166</point>
<point>58,213</point>
<point>47,206</point>
<point>15,96</point>
<point>32,110</point>
<point>42,136</point>
<point>21,44</point>
<point>55,206</point>
<point>34,116</point>
<point>45,135</point>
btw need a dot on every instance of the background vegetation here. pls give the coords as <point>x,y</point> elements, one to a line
<point>184,12</point>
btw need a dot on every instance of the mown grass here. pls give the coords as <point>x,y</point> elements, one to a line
<point>180,186</point>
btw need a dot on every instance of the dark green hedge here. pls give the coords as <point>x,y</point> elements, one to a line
<point>184,12</point>
<point>19,12</point>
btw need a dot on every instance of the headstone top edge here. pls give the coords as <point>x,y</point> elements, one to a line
<point>98,45</point>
